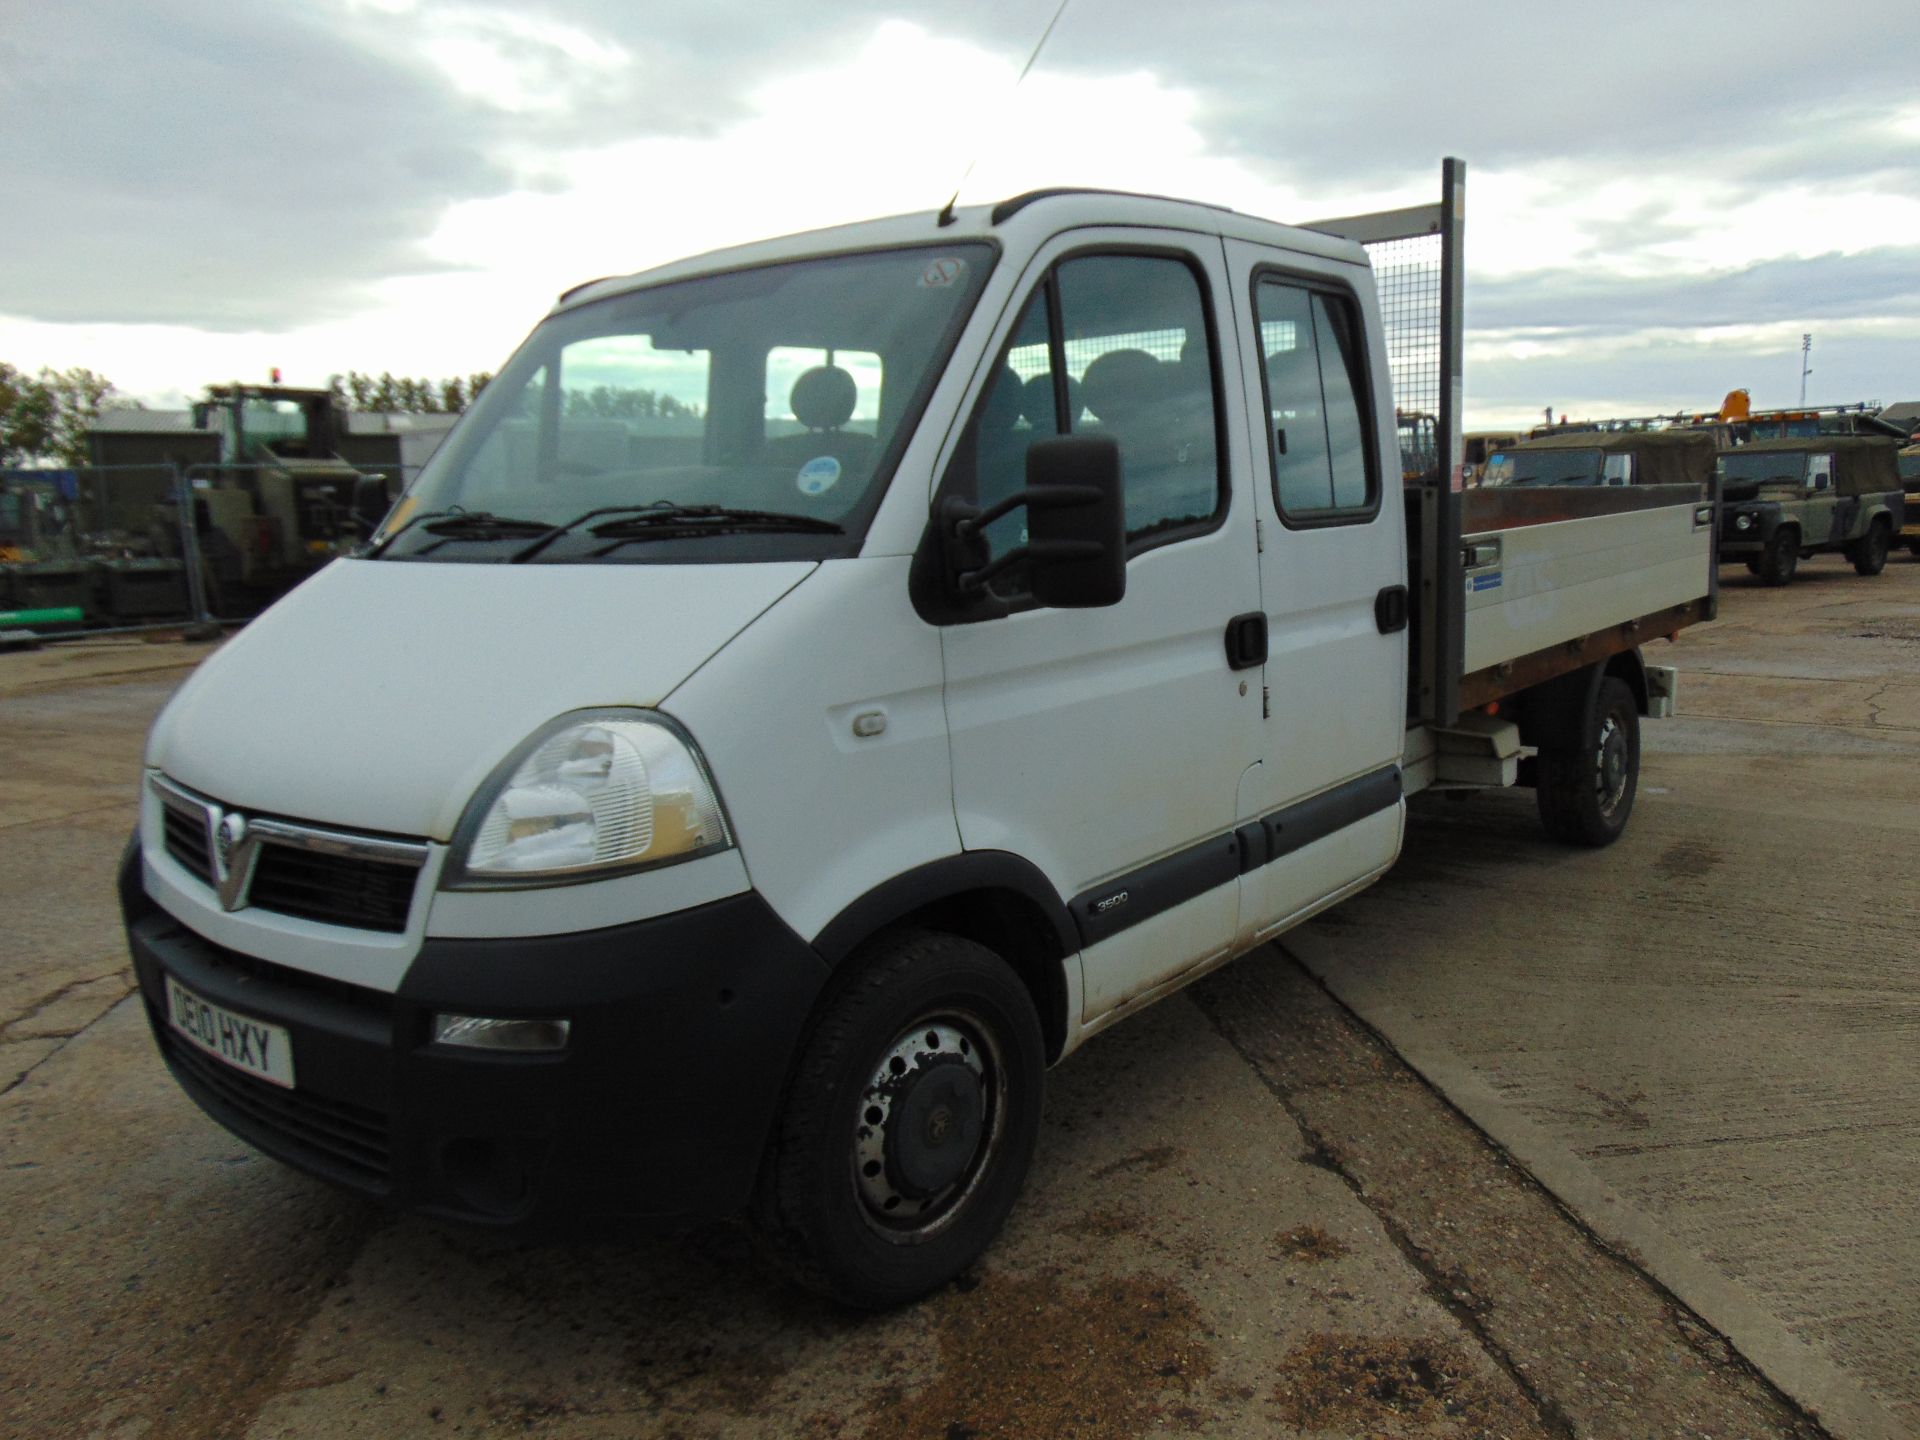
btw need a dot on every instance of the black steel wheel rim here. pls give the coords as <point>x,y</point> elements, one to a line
<point>1610,763</point>
<point>927,1125</point>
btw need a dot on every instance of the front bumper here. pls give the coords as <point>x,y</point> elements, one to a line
<point>683,1028</point>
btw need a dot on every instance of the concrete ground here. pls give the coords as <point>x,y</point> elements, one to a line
<point>1248,1217</point>
<point>1704,1039</point>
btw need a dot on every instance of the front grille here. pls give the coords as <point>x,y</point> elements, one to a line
<point>186,837</point>
<point>365,882</point>
<point>334,1136</point>
<point>336,889</point>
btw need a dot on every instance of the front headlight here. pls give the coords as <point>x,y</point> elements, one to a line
<point>595,793</point>
<point>1743,522</point>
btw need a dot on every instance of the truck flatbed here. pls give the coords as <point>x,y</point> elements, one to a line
<point>1553,580</point>
<point>1548,582</point>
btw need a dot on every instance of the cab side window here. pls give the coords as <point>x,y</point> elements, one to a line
<point>1323,468</point>
<point>1108,345</point>
<point>1820,472</point>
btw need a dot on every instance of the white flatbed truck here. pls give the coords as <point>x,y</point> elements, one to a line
<point>821,683</point>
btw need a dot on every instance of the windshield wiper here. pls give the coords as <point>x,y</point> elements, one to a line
<point>479,525</point>
<point>554,532</point>
<point>700,517</point>
<point>683,522</point>
<point>454,523</point>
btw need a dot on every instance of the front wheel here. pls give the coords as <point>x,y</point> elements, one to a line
<point>909,1126</point>
<point>1782,557</point>
<point>1871,556</point>
<point>1585,791</point>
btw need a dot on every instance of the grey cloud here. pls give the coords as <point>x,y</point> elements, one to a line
<point>1368,92</point>
<point>1668,376</point>
<point>1879,282</point>
<point>229,166</point>
<point>218,166</point>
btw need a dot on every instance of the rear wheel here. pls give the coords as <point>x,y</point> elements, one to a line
<point>1913,548</point>
<point>1870,556</point>
<point>1782,557</point>
<point>1585,791</point>
<point>911,1121</point>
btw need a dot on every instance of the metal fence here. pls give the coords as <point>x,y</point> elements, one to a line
<point>1407,272</point>
<point>129,547</point>
<point>1418,257</point>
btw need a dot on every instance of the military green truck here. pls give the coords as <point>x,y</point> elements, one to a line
<point>1910,482</point>
<point>1785,500</point>
<point>1606,457</point>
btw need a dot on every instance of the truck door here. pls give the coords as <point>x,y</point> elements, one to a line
<point>1108,745</point>
<point>1831,519</point>
<point>1325,798</point>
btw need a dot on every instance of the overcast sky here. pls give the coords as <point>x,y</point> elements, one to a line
<point>1662,197</point>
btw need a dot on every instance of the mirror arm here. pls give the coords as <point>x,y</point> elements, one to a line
<point>1051,497</point>
<point>973,581</point>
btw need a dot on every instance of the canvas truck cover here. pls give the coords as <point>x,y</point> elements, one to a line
<point>1862,464</point>
<point>1662,457</point>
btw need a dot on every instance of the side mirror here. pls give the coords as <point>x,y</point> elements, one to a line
<point>371,502</point>
<point>1076,550</point>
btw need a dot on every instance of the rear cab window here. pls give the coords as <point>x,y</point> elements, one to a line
<point>1314,379</point>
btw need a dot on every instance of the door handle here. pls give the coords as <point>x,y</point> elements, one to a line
<point>1390,609</point>
<point>1247,640</point>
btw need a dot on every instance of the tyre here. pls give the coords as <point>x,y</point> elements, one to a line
<point>1753,566</point>
<point>1913,548</point>
<point>1870,558</point>
<point>909,1125</point>
<point>1586,791</point>
<point>1782,557</point>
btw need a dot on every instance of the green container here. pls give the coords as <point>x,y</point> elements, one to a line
<point>62,615</point>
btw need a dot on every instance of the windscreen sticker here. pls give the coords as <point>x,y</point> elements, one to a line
<point>818,475</point>
<point>947,270</point>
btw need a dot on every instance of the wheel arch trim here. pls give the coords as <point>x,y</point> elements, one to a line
<point>1012,894</point>
<point>952,876</point>
<point>1630,666</point>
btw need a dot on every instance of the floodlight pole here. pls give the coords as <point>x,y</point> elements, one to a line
<point>1806,369</point>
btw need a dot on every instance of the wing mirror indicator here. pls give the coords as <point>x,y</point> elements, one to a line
<point>1076,550</point>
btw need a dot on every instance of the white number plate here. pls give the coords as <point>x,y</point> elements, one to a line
<point>246,1044</point>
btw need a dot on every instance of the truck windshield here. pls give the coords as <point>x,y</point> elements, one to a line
<point>1787,465</point>
<point>1548,467</point>
<point>750,415</point>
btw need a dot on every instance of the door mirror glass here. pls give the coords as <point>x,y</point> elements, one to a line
<point>1077,518</point>
<point>1075,555</point>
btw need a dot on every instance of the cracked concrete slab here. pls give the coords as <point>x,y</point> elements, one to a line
<point>70,793</point>
<point>66,666</point>
<point>1703,1038</point>
<point>1245,1220</point>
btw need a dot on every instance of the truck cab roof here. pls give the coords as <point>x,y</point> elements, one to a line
<point>1022,221</point>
